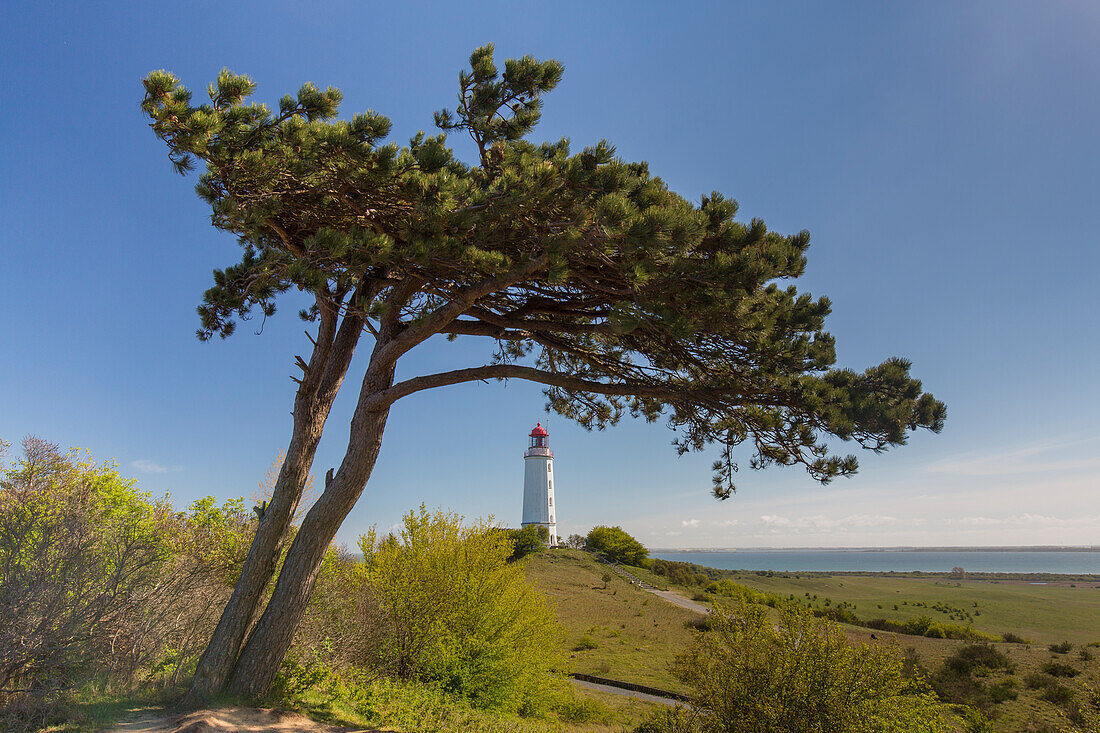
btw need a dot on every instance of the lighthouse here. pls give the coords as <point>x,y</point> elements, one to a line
<point>538,484</point>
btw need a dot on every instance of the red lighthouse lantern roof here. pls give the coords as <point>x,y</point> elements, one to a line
<point>539,431</point>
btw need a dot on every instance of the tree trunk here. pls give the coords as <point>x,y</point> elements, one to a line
<point>268,643</point>
<point>217,660</point>
<point>329,363</point>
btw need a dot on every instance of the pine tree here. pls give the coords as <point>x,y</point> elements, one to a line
<point>583,271</point>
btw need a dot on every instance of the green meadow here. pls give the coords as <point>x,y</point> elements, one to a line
<point>1046,613</point>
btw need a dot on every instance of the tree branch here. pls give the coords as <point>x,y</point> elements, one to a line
<point>437,320</point>
<point>514,371</point>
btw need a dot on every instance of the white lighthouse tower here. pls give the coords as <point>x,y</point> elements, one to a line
<point>538,484</point>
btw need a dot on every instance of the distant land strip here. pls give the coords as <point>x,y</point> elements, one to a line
<point>991,548</point>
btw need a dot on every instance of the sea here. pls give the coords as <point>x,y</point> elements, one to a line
<point>1066,562</point>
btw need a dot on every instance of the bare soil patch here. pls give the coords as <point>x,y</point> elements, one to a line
<point>226,720</point>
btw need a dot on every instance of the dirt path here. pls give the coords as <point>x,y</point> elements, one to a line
<point>626,693</point>
<point>679,600</point>
<point>225,720</point>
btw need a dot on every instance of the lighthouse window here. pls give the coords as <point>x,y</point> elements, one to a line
<point>549,468</point>
<point>551,501</point>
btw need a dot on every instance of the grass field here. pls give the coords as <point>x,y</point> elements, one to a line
<point>636,634</point>
<point>1044,613</point>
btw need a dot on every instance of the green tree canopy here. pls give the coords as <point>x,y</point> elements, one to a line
<point>581,270</point>
<point>617,545</point>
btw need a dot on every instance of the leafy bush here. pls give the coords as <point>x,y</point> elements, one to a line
<point>749,595</point>
<point>617,545</point>
<point>957,680</point>
<point>752,673</point>
<point>1004,690</point>
<point>971,657</point>
<point>670,720</point>
<point>1063,648</point>
<point>457,613</point>
<point>683,573</point>
<point>1058,669</point>
<point>926,626</point>
<point>1057,694</point>
<point>527,541</point>
<point>99,582</point>
<point>1035,681</point>
<point>586,643</point>
<point>1010,638</point>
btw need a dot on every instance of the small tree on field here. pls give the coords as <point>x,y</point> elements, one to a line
<point>582,271</point>
<point>615,544</point>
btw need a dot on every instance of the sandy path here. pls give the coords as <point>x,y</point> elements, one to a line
<point>225,720</point>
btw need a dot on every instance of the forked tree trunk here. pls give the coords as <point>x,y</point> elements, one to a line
<point>270,640</point>
<point>220,655</point>
<point>331,357</point>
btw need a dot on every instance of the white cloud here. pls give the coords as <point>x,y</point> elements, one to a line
<point>147,466</point>
<point>814,522</point>
<point>1027,520</point>
<point>1026,459</point>
<point>868,520</point>
<point>727,523</point>
<point>690,523</point>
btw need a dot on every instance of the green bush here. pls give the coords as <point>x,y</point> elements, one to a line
<point>1057,694</point>
<point>1058,669</point>
<point>586,642</point>
<point>670,720</point>
<point>1063,648</point>
<point>527,541</point>
<point>1004,690</point>
<point>956,681</point>
<point>1035,681</point>
<point>1009,637</point>
<point>799,674</point>
<point>617,545</point>
<point>458,614</point>
<point>101,584</point>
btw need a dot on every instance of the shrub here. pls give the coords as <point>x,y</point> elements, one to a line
<point>100,582</point>
<point>956,680</point>
<point>1062,648</point>
<point>617,545</point>
<point>458,614</point>
<point>670,720</point>
<point>1057,694</point>
<point>968,658</point>
<point>586,642</point>
<point>584,710</point>
<point>799,674</point>
<point>1009,637</point>
<point>527,541</point>
<point>1058,669</point>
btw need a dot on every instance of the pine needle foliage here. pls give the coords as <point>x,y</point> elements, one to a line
<point>584,270</point>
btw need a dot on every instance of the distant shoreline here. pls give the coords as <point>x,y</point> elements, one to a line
<point>1033,548</point>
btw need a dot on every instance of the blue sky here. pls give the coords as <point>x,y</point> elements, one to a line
<point>943,156</point>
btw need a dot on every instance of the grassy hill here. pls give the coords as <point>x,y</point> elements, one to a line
<point>636,634</point>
